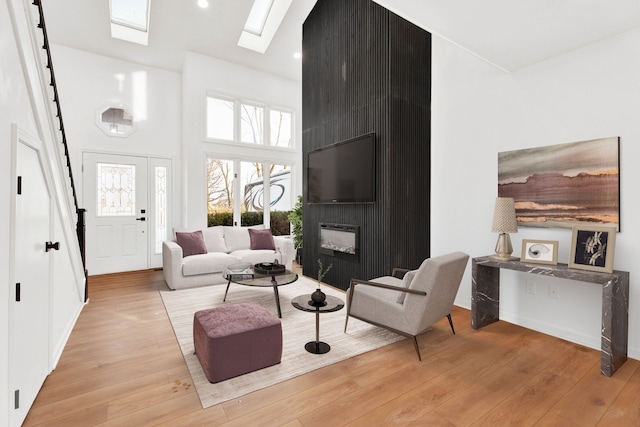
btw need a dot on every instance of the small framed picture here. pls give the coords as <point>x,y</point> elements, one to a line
<point>592,247</point>
<point>540,251</point>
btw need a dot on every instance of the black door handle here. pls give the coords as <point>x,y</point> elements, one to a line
<point>50,245</point>
<point>141,219</point>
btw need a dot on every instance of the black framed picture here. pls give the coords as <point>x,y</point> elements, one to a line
<point>592,247</point>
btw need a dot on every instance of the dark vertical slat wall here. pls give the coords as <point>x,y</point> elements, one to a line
<point>365,69</point>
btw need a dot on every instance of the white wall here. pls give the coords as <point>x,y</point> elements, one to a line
<point>478,111</point>
<point>67,297</point>
<point>171,106</point>
<point>87,82</point>
<point>201,74</point>
<point>14,108</point>
<point>22,102</point>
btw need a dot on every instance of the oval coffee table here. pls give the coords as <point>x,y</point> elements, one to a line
<point>332,303</point>
<point>250,277</point>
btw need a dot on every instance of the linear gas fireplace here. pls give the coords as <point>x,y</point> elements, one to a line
<point>339,240</point>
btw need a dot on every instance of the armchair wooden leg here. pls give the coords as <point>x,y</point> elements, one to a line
<point>451,323</point>
<point>415,344</point>
<point>346,318</point>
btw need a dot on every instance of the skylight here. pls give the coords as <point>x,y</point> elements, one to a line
<point>130,20</point>
<point>258,16</point>
<point>263,22</point>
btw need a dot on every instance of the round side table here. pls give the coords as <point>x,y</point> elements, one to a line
<point>303,302</point>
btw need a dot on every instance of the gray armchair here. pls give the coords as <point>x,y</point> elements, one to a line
<point>409,306</point>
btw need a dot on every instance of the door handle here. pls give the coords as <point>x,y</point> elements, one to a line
<point>141,219</point>
<point>50,245</point>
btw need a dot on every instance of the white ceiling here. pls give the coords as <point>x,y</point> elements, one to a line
<point>510,34</point>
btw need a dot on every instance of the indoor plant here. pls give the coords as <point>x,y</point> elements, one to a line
<point>318,296</point>
<point>295,219</point>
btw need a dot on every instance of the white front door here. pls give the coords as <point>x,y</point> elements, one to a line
<point>115,197</point>
<point>29,362</point>
<point>128,201</point>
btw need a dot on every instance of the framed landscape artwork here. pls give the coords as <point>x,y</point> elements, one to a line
<point>565,184</point>
<point>592,247</point>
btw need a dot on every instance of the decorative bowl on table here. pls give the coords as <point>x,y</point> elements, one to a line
<point>268,268</point>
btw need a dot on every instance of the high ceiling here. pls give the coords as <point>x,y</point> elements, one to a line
<point>509,34</point>
<point>513,34</point>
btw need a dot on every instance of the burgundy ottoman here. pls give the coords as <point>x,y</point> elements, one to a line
<point>235,339</point>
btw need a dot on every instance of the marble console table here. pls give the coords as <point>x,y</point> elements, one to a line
<point>485,301</point>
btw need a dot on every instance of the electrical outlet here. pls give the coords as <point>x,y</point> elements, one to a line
<point>553,292</point>
<point>531,287</point>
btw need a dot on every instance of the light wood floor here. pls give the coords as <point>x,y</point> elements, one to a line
<point>122,367</point>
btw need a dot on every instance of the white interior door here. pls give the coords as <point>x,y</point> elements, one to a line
<point>29,362</point>
<point>115,196</point>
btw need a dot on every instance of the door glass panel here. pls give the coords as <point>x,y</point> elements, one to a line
<point>252,119</point>
<point>116,194</point>
<point>160,206</point>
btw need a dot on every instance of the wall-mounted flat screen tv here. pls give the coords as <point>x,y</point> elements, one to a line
<point>343,172</point>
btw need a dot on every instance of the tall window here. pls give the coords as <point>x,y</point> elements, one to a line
<point>237,193</point>
<point>281,127</point>
<point>247,122</point>
<point>219,118</point>
<point>280,188</point>
<point>219,186</point>
<point>251,123</point>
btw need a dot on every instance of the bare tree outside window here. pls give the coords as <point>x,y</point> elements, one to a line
<point>219,185</point>
<point>259,125</point>
<point>249,172</point>
<point>280,125</point>
<point>222,117</point>
<point>252,123</point>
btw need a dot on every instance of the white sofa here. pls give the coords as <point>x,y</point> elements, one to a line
<point>225,246</point>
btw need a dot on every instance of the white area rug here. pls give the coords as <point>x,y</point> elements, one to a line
<point>298,328</point>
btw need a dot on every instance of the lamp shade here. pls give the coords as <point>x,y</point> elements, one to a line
<point>504,216</point>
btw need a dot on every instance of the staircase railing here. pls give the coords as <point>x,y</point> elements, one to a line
<point>80,212</point>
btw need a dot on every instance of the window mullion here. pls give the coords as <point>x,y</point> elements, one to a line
<point>266,193</point>
<point>266,127</point>
<point>237,199</point>
<point>237,121</point>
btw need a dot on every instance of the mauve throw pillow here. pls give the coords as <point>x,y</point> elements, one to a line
<point>191,243</point>
<point>261,239</point>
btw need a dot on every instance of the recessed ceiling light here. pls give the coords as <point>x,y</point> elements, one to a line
<point>203,3</point>
<point>297,55</point>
